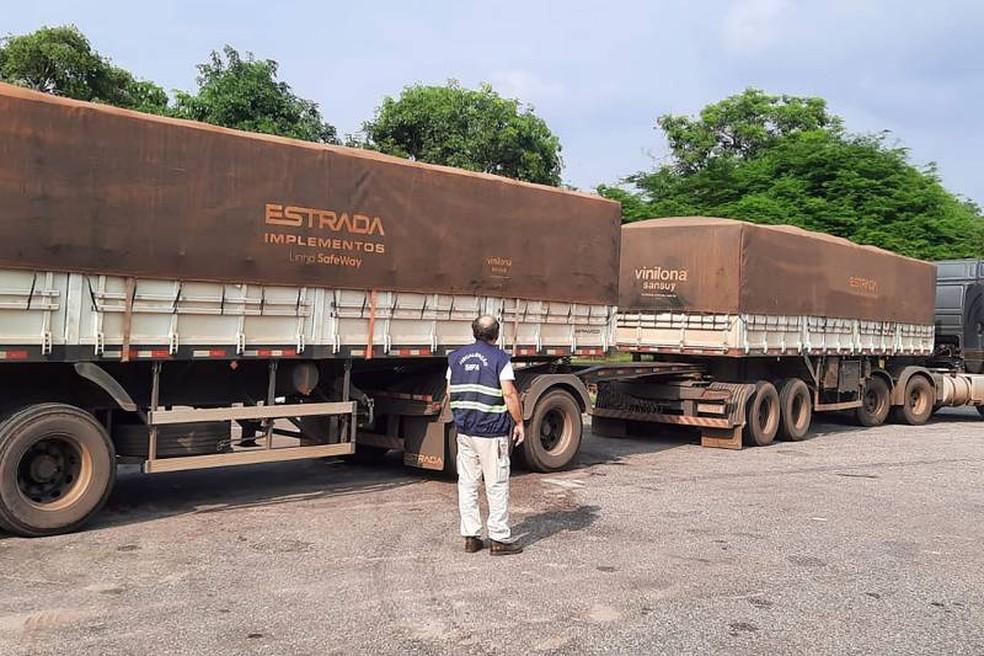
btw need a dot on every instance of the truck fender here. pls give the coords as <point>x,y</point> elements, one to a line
<point>96,374</point>
<point>535,387</point>
<point>902,378</point>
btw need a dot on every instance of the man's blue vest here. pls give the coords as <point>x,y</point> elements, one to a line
<point>476,395</point>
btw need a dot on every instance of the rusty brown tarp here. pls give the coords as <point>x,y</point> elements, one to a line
<point>91,188</point>
<point>700,264</point>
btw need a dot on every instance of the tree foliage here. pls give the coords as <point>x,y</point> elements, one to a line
<point>786,160</point>
<point>61,61</point>
<point>244,93</point>
<point>478,130</point>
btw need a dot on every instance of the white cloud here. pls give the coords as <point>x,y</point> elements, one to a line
<point>526,86</point>
<point>753,25</point>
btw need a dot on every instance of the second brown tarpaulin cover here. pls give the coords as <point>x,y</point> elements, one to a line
<point>699,264</point>
<point>95,189</point>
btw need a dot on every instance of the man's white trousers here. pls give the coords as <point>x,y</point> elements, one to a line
<point>488,458</point>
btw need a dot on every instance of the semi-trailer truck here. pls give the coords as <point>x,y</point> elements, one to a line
<point>182,296</point>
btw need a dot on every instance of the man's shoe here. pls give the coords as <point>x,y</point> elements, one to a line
<point>504,548</point>
<point>473,544</point>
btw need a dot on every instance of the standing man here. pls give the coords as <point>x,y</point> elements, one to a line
<point>487,415</point>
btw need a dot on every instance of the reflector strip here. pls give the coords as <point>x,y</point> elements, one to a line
<point>271,353</point>
<point>13,355</point>
<point>150,353</point>
<point>209,353</point>
<point>411,352</point>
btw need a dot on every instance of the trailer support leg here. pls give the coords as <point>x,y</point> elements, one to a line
<point>346,395</point>
<point>270,399</point>
<point>155,398</point>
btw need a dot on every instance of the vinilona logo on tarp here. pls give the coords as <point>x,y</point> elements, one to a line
<point>320,236</point>
<point>658,281</point>
<point>498,267</point>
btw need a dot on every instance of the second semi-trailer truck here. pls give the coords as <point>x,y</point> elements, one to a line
<point>777,323</point>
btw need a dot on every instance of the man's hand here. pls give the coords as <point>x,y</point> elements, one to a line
<point>519,433</point>
<point>515,410</point>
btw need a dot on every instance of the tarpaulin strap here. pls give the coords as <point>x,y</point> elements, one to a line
<point>372,323</point>
<point>515,339</point>
<point>177,298</point>
<point>131,292</point>
<point>92,294</point>
<point>30,294</point>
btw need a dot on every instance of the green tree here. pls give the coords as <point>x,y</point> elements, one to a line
<point>478,130</point>
<point>61,61</point>
<point>786,160</point>
<point>244,93</point>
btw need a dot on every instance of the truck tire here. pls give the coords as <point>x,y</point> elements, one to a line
<point>875,403</point>
<point>173,440</point>
<point>917,405</point>
<point>57,468</point>
<point>795,410</point>
<point>762,415</point>
<point>553,436</point>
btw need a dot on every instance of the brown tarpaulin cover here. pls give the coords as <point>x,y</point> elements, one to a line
<point>698,264</point>
<point>91,188</point>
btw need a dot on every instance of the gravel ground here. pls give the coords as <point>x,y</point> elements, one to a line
<point>855,541</point>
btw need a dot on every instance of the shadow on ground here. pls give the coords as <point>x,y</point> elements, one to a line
<point>138,497</point>
<point>543,525</point>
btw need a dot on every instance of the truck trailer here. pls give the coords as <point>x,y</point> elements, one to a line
<point>776,323</point>
<point>183,296</point>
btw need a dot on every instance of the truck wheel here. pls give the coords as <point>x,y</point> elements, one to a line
<point>762,415</point>
<point>875,403</point>
<point>795,409</point>
<point>553,436</point>
<point>57,468</point>
<point>917,406</point>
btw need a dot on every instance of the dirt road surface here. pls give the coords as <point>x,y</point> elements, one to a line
<point>854,541</point>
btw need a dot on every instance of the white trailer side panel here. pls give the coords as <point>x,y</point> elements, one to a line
<point>93,313</point>
<point>756,334</point>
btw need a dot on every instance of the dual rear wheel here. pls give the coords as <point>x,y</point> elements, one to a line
<point>784,412</point>
<point>917,406</point>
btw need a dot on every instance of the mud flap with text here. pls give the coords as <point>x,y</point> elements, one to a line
<point>423,442</point>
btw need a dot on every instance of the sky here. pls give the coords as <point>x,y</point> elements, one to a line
<point>599,73</point>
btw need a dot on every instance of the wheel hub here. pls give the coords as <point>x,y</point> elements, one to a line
<point>551,430</point>
<point>49,470</point>
<point>44,468</point>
